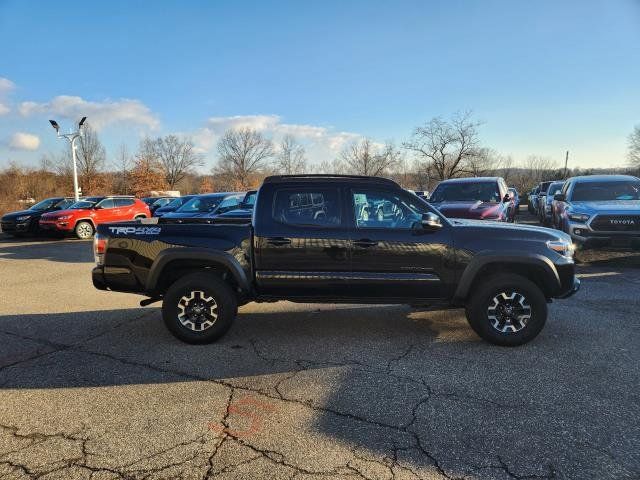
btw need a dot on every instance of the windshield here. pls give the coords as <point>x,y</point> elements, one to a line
<point>466,192</point>
<point>45,204</point>
<point>200,205</point>
<point>249,200</point>
<point>606,191</point>
<point>555,188</point>
<point>85,203</point>
<point>176,202</point>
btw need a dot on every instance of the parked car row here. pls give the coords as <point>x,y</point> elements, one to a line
<point>63,215</point>
<point>596,210</point>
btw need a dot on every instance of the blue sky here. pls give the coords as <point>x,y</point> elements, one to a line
<point>543,76</point>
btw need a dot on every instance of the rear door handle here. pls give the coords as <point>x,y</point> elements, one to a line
<point>279,241</point>
<point>365,243</point>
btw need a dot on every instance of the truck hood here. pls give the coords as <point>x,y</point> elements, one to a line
<point>504,230</point>
<point>621,207</point>
<point>474,210</point>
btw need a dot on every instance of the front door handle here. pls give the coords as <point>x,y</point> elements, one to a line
<point>365,243</point>
<point>279,241</point>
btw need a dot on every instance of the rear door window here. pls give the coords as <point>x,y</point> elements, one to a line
<point>307,207</point>
<point>124,202</point>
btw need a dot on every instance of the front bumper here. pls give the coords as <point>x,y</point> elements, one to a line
<point>56,226</point>
<point>587,238</point>
<point>14,227</point>
<point>571,291</point>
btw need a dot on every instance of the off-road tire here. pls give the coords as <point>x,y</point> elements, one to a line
<point>498,290</point>
<point>197,287</point>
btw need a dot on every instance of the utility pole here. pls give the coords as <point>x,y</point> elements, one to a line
<point>566,162</point>
<point>71,138</point>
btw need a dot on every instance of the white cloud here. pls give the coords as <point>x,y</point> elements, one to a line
<point>24,141</point>
<point>6,85</point>
<point>4,109</point>
<point>99,114</point>
<point>321,143</point>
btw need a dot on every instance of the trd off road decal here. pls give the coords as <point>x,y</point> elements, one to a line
<point>135,230</point>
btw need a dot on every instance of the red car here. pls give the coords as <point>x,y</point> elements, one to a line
<point>84,216</point>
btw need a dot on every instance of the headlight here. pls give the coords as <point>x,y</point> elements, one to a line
<point>563,247</point>
<point>23,218</point>
<point>64,217</point>
<point>579,217</point>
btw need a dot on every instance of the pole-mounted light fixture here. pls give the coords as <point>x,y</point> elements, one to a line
<point>71,138</point>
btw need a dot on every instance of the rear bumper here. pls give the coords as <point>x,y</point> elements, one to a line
<point>97,276</point>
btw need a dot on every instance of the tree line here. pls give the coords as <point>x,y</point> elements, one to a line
<point>441,148</point>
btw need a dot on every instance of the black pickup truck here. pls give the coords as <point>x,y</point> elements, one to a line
<point>316,238</point>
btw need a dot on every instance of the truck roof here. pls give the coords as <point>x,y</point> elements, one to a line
<point>603,178</point>
<point>329,178</point>
<point>470,179</point>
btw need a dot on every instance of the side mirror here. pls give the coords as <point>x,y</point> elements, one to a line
<point>98,207</point>
<point>431,221</point>
<point>559,197</point>
<point>507,198</point>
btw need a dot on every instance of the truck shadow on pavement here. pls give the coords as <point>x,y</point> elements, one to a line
<point>409,387</point>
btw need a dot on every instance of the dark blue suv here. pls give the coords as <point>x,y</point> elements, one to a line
<point>600,210</point>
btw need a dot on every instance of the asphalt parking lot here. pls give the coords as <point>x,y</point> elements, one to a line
<point>92,386</point>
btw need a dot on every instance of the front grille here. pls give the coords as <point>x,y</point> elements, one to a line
<point>8,226</point>
<point>616,223</point>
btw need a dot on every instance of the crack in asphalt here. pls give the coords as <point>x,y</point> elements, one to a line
<point>126,471</point>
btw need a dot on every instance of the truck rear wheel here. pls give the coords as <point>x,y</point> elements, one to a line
<point>199,308</point>
<point>507,310</point>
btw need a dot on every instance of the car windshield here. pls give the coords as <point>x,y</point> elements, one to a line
<point>176,202</point>
<point>606,191</point>
<point>249,200</point>
<point>85,203</point>
<point>45,204</point>
<point>554,189</point>
<point>544,186</point>
<point>200,205</point>
<point>466,192</point>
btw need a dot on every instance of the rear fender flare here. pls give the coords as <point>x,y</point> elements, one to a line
<point>201,254</point>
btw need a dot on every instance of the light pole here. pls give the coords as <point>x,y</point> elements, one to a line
<point>71,138</point>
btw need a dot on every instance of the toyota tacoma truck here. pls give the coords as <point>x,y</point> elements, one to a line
<point>600,211</point>
<point>311,240</point>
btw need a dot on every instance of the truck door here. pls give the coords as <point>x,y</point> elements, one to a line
<point>303,248</point>
<point>392,255</point>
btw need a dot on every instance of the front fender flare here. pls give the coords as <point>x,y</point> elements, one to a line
<point>482,259</point>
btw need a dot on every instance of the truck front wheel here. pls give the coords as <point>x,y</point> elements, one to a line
<point>199,308</point>
<point>507,310</point>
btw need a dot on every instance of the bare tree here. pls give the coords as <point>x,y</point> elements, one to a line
<point>175,156</point>
<point>634,147</point>
<point>365,158</point>
<point>290,157</point>
<point>123,165</point>
<point>90,154</point>
<point>446,147</point>
<point>243,154</point>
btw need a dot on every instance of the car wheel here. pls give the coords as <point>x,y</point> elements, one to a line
<point>84,230</point>
<point>507,310</point>
<point>199,308</point>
